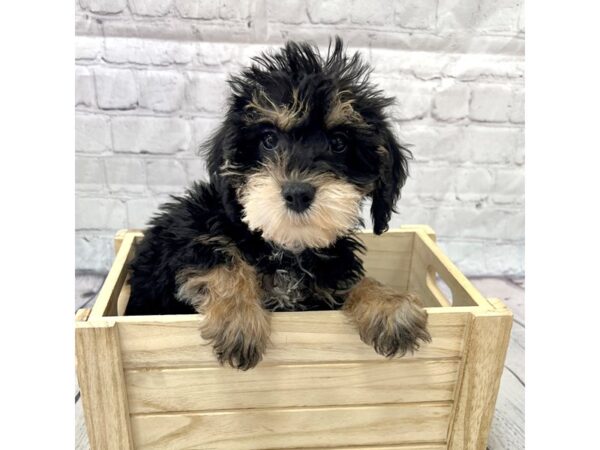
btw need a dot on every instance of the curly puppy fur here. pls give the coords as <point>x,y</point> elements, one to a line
<point>305,141</point>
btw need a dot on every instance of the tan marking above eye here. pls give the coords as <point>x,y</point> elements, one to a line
<point>262,109</point>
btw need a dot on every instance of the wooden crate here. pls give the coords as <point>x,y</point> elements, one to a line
<point>149,382</point>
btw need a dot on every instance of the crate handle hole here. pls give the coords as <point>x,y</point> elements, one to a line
<point>439,288</point>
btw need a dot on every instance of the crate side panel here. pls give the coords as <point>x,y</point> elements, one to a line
<point>484,361</point>
<point>388,258</point>
<point>304,338</point>
<point>293,428</point>
<point>368,383</point>
<point>102,385</point>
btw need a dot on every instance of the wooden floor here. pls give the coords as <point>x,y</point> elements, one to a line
<point>508,427</point>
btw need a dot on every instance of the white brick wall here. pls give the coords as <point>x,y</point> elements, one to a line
<point>150,86</point>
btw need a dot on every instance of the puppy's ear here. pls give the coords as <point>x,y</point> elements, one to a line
<point>393,171</point>
<point>215,151</point>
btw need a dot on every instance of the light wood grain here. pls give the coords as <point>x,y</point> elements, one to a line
<point>388,257</point>
<point>137,234</point>
<point>293,428</point>
<point>82,314</point>
<point>394,381</point>
<point>386,447</point>
<point>476,397</point>
<point>300,337</point>
<point>106,303</point>
<point>102,385</point>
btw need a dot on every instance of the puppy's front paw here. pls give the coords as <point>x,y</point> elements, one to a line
<point>397,325</point>
<point>239,338</point>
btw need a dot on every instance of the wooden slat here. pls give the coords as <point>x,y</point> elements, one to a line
<point>388,257</point>
<point>106,303</point>
<point>433,446</point>
<point>300,337</point>
<point>427,258</point>
<point>293,428</point>
<point>195,389</point>
<point>82,314</point>
<point>137,234</point>
<point>487,344</point>
<point>102,384</point>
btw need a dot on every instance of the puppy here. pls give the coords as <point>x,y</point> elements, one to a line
<point>304,142</point>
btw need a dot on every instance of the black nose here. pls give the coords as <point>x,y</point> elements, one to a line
<point>298,196</point>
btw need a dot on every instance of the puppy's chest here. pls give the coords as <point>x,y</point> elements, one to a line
<point>291,287</point>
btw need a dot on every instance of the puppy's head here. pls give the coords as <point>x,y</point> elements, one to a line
<point>304,142</point>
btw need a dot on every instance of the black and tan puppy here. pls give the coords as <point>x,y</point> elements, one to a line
<point>305,141</point>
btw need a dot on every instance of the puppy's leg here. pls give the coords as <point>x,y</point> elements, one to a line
<point>235,322</point>
<point>392,323</point>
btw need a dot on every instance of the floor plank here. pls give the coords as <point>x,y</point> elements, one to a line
<point>81,437</point>
<point>508,432</point>
<point>508,426</point>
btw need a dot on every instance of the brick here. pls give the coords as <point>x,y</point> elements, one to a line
<point>509,187</point>
<point>519,150</point>
<point>504,259</point>
<point>198,9</point>
<point>290,11</point>
<point>413,101</point>
<point>161,91</point>
<point>134,134</point>
<point>166,175</point>
<point>473,183</point>
<point>84,87</point>
<point>147,51</point>
<point>203,129</point>
<point>234,9</point>
<point>207,91</point>
<point>374,12</point>
<point>93,252</point>
<point>153,8</point>
<point>92,133</point>
<point>87,48</point>
<point>99,213</point>
<point>515,226</point>
<point>498,15</point>
<point>408,214</point>
<point>437,143</point>
<point>328,11</point>
<point>213,54</point>
<point>490,103</point>
<point>115,89</point>
<point>416,14</point>
<point>491,145</point>
<point>104,6</point>
<point>457,14</point>
<point>521,22</point>
<point>473,67</point>
<point>196,170</point>
<point>517,106</point>
<point>468,256</point>
<point>451,102</point>
<point>89,174</point>
<point>426,182</point>
<point>470,222</point>
<point>140,210</point>
<point>125,175</point>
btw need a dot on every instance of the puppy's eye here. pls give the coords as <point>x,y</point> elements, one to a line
<point>338,143</point>
<point>270,140</point>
